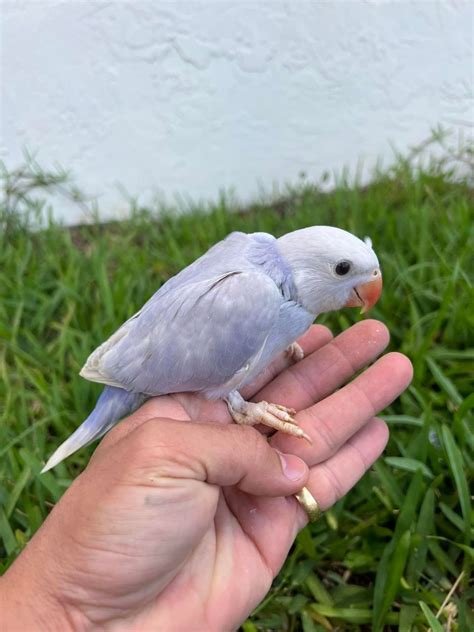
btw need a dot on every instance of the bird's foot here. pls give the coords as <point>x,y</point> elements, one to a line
<point>272,415</point>
<point>294,352</point>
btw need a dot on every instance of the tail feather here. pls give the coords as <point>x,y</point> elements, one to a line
<point>113,404</point>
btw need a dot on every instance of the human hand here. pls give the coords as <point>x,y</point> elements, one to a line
<point>176,525</point>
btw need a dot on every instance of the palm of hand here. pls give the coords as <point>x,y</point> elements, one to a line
<point>231,536</point>
<point>164,555</point>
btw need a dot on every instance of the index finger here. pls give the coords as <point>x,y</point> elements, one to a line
<point>327,368</point>
<point>332,421</point>
<point>315,338</point>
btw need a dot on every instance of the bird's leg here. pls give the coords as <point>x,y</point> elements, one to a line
<point>294,352</point>
<point>272,415</point>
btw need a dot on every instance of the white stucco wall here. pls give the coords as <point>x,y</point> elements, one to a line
<point>192,97</point>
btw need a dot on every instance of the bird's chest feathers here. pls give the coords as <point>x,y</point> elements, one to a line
<point>291,323</point>
<point>293,320</point>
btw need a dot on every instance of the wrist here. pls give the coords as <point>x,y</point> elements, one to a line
<point>29,602</point>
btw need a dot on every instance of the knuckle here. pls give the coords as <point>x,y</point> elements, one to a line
<point>260,448</point>
<point>326,439</point>
<point>366,399</point>
<point>239,432</point>
<point>147,432</point>
<point>150,440</point>
<point>153,455</point>
<point>336,488</point>
<point>247,440</point>
<point>303,381</point>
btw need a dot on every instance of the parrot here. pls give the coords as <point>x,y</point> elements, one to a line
<point>214,326</point>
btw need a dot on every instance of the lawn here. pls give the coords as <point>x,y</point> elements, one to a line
<point>398,547</point>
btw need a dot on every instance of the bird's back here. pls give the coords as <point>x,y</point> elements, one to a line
<point>203,325</point>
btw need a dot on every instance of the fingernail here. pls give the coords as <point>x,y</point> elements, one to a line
<point>292,466</point>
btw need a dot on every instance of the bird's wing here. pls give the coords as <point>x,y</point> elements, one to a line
<point>192,337</point>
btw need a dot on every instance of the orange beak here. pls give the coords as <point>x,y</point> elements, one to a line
<point>367,294</point>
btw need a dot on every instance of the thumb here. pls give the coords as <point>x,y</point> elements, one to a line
<point>223,455</point>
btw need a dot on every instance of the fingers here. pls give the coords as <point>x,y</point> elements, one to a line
<point>332,421</point>
<point>315,338</point>
<point>328,367</point>
<point>223,455</point>
<point>182,406</point>
<point>331,480</point>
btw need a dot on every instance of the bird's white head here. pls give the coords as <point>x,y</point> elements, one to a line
<point>332,268</point>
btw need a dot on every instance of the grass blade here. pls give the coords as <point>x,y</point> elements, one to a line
<point>17,490</point>
<point>432,620</point>
<point>391,584</point>
<point>389,482</point>
<point>456,465</point>
<point>445,383</point>
<point>318,590</point>
<point>6,534</point>
<point>409,465</point>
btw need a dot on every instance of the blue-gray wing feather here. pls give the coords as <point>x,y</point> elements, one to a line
<point>192,336</point>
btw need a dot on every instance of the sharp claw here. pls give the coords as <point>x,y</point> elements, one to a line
<point>298,433</point>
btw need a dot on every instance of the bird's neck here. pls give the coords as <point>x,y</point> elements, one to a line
<point>265,254</point>
<point>294,251</point>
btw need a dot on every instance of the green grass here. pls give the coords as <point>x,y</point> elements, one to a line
<point>387,555</point>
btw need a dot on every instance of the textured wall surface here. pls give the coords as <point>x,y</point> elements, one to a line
<point>192,97</point>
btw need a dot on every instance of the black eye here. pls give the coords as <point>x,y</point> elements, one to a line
<point>343,268</point>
